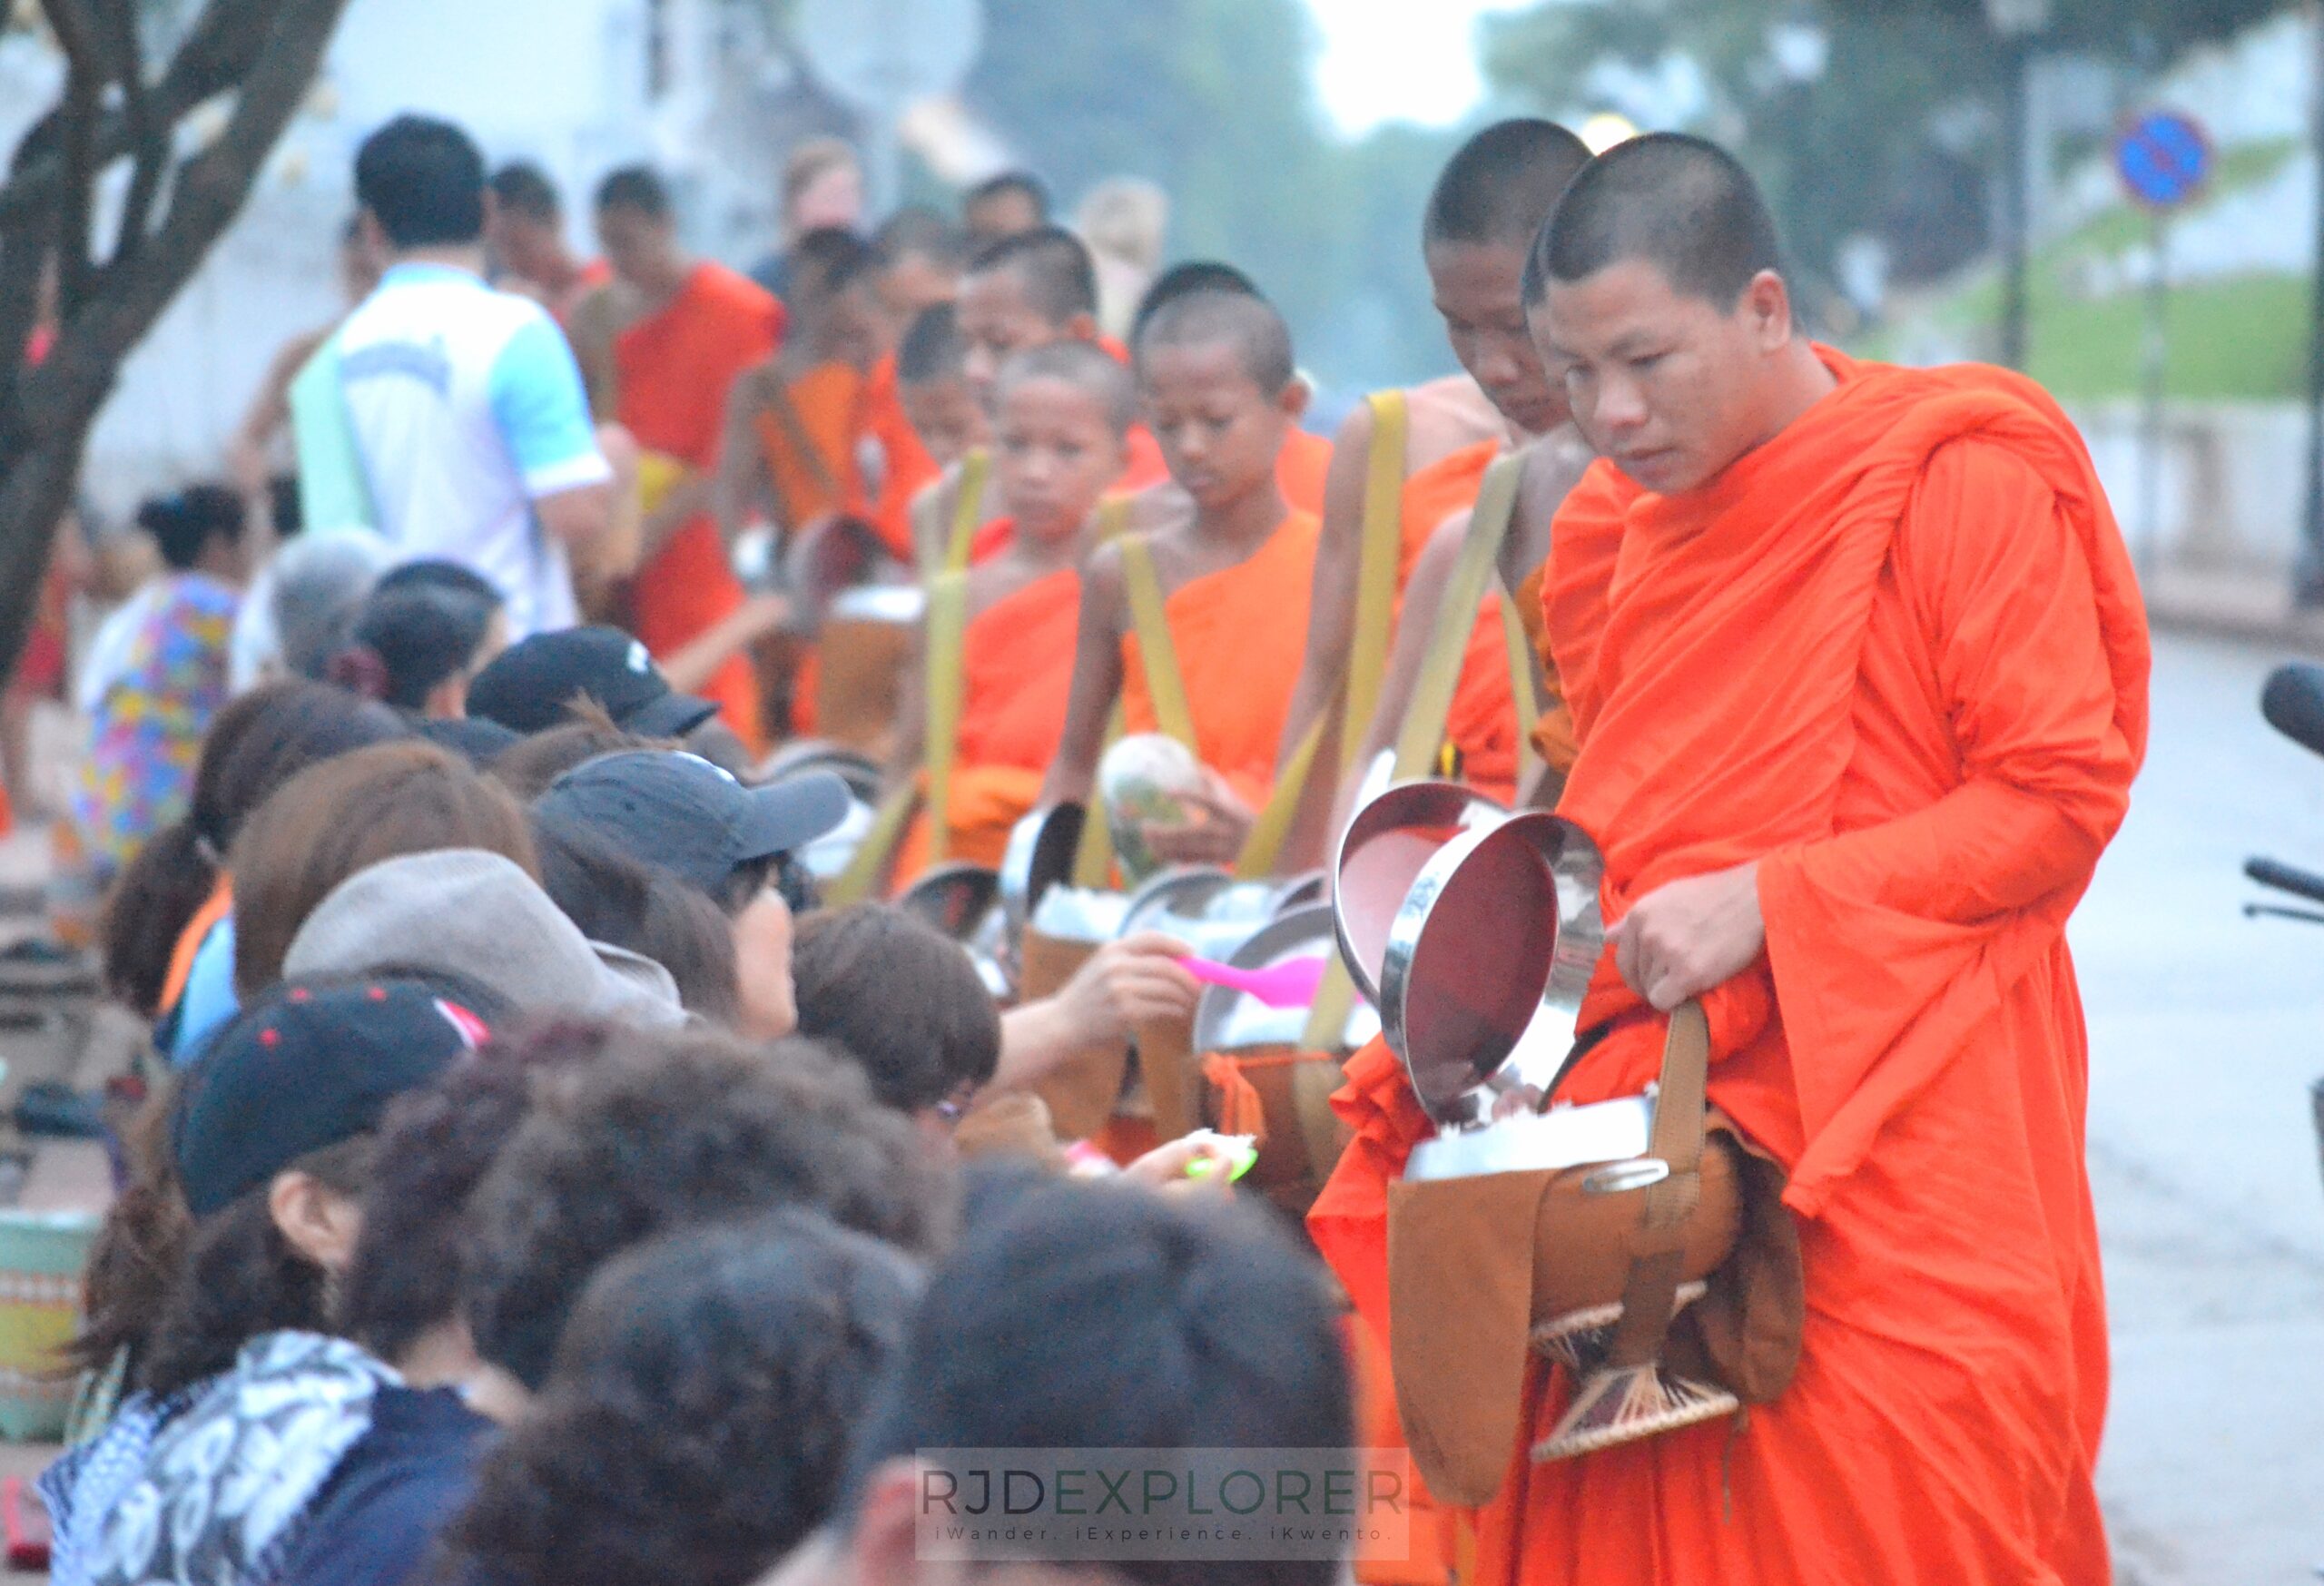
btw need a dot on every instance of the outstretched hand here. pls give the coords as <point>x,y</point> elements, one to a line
<point>1689,935</point>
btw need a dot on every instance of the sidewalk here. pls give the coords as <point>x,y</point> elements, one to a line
<point>2248,608</point>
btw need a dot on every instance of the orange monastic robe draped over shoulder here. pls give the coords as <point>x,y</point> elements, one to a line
<point>1015,676</point>
<point>1240,634</point>
<point>1482,725</point>
<point>1896,656</point>
<point>673,369</point>
<point>840,408</point>
<point>1299,471</point>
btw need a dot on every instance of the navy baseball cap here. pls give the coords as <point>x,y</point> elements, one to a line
<point>528,686</point>
<point>678,812</point>
<point>304,1066</point>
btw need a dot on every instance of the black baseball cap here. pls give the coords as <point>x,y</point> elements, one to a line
<point>306,1066</point>
<point>677,811</point>
<point>528,686</point>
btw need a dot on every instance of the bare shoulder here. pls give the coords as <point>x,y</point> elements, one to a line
<point>1449,415</point>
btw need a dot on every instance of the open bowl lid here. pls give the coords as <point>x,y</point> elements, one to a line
<point>1381,854</point>
<point>956,899</point>
<point>1488,959</point>
<point>1040,854</point>
<point>862,776</point>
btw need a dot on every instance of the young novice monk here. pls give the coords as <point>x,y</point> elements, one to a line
<point>1028,291</point>
<point>795,422</point>
<point>1063,411</point>
<point>1215,373</point>
<point>951,426</point>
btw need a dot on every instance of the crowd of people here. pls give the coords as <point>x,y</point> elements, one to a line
<point>555,1170</point>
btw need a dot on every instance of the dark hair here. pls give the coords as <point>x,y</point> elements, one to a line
<point>256,743</point>
<point>408,640</point>
<point>636,188</point>
<point>931,347</point>
<point>134,1260</point>
<point>900,998</point>
<point>184,524</point>
<point>729,1366</point>
<point>616,900</point>
<point>1021,184</point>
<point>1501,185</point>
<point>1181,280</point>
<point>436,572</point>
<point>284,506</point>
<point>423,182</point>
<point>240,1278</point>
<point>527,766</point>
<point>334,820</point>
<point>667,1129</point>
<point>830,256</point>
<point>1060,282</point>
<point>522,188</point>
<point>1248,324</point>
<point>1079,1316</point>
<point>436,1145</point>
<point>1683,205</point>
<point>915,228</point>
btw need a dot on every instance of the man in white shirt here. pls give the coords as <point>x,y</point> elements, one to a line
<point>465,408</point>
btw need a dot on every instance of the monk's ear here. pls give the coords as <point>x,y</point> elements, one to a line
<point>1082,327</point>
<point>1767,302</point>
<point>1293,402</point>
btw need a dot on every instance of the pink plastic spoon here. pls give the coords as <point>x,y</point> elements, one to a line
<point>1289,984</point>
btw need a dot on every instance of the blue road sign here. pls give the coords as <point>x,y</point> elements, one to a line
<point>2163,158</point>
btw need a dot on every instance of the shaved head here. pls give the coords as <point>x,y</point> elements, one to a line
<point>1678,202</point>
<point>1501,185</point>
<point>1243,321</point>
<point>1054,266</point>
<point>1082,365</point>
<point>1194,275</point>
<point>829,257</point>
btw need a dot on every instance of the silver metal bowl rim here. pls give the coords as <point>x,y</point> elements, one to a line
<point>1217,1003</point>
<point>1367,978</point>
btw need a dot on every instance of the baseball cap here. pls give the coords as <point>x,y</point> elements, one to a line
<point>679,811</point>
<point>306,1066</point>
<point>528,686</point>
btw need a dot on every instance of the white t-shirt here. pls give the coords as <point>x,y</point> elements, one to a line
<point>467,408</point>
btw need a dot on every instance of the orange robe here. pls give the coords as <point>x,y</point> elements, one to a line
<point>1481,726</point>
<point>673,369</point>
<point>1299,471</point>
<point>1240,634</point>
<point>1895,656</point>
<point>907,468</point>
<point>1015,676</point>
<point>828,401</point>
<point>1146,467</point>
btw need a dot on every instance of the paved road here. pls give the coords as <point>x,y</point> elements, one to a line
<point>2204,1036</point>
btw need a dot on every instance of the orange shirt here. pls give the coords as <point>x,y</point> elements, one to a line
<point>1239,634</point>
<point>1896,656</point>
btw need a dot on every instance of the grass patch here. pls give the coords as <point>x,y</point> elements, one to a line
<point>2240,338</point>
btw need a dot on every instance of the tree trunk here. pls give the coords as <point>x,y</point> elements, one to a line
<point>264,53</point>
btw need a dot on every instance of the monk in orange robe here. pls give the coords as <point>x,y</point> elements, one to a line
<point>1858,668</point>
<point>1028,290</point>
<point>1489,199</point>
<point>1216,375</point>
<point>1062,412</point>
<point>689,327</point>
<point>802,427</point>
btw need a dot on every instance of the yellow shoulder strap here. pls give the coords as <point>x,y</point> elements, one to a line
<point>869,861</point>
<point>1375,579</point>
<point>968,507</point>
<point>947,633</point>
<point>1156,652</point>
<point>1455,619</point>
<point>1093,856</point>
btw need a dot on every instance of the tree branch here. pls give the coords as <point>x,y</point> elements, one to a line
<point>149,140</point>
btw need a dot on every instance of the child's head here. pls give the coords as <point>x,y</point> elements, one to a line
<point>932,379</point>
<point>919,257</point>
<point>730,1366</point>
<point>834,298</point>
<point>1060,414</point>
<point>198,530</point>
<point>427,628</point>
<point>1025,291</point>
<point>900,998</point>
<point>1216,375</point>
